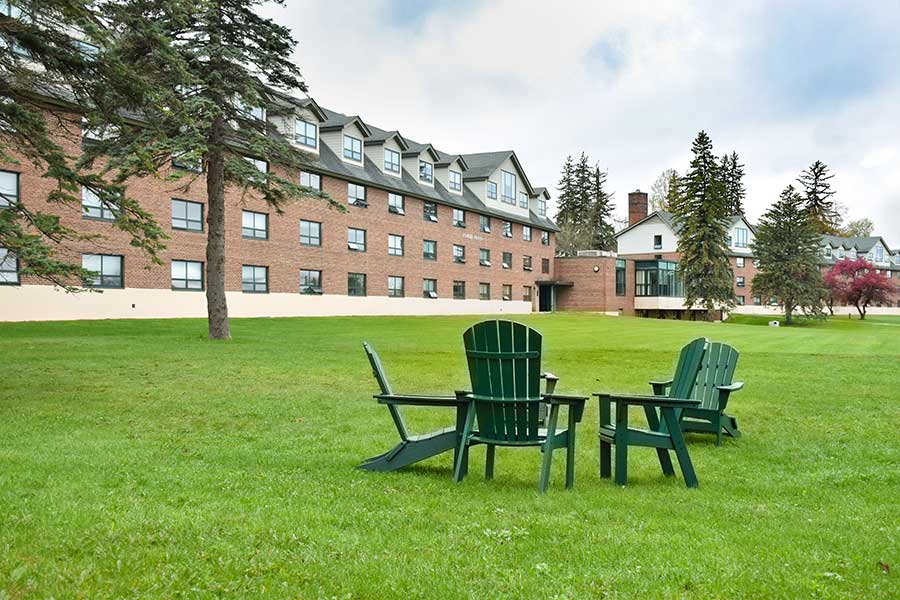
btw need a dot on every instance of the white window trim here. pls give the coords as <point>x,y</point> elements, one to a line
<point>450,173</point>
<point>362,149</point>
<point>419,173</point>
<point>397,173</point>
<point>304,146</point>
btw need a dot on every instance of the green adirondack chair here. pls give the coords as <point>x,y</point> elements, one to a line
<point>504,361</point>
<point>665,432</point>
<point>412,448</point>
<point>713,387</point>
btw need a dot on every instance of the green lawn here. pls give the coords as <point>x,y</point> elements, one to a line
<point>139,460</point>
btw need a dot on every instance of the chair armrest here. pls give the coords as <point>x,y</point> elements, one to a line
<point>419,400</point>
<point>551,381</point>
<point>660,387</point>
<point>575,403</point>
<point>638,400</point>
<point>549,376</point>
<point>725,392</point>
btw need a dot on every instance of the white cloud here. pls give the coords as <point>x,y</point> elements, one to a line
<point>524,74</point>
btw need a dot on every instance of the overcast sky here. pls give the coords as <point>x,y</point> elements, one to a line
<point>629,83</point>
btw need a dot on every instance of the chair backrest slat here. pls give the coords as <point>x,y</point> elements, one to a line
<point>504,368</point>
<point>685,378</point>
<point>717,369</point>
<point>385,385</point>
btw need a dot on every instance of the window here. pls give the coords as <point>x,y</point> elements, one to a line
<point>106,269</point>
<point>93,208</point>
<point>9,268</point>
<point>526,293</point>
<point>310,233</point>
<point>429,288</point>
<point>455,181</point>
<point>356,239</point>
<point>657,278</point>
<point>741,262</point>
<point>187,275</point>
<point>459,290</point>
<point>395,245</point>
<point>429,211</point>
<point>545,238</point>
<point>187,215</point>
<point>310,281</point>
<point>741,300</point>
<point>542,207</point>
<point>526,233</point>
<point>485,223</point>
<point>254,279</point>
<point>356,195</point>
<point>396,204</point>
<point>396,287</point>
<point>254,225</point>
<point>545,265</point>
<point>305,134</point>
<point>9,188</point>
<point>86,49</point>
<point>391,161</point>
<point>827,251</point>
<point>459,218</point>
<point>194,165</point>
<point>313,180</point>
<point>508,187</point>
<point>429,249</point>
<point>261,165</point>
<point>459,253</point>
<point>507,292</point>
<point>492,190</point>
<point>484,291</point>
<point>657,242</point>
<point>526,263</point>
<point>507,229</point>
<point>879,253</point>
<point>356,284</point>
<point>484,257</point>
<point>507,260</point>
<point>620,277</point>
<point>523,200</point>
<point>352,148</point>
<point>740,281</point>
<point>757,301</point>
<point>840,253</point>
<point>740,237</point>
<point>426,171</point>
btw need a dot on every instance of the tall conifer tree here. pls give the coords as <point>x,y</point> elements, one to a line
<point>602,232</point>
<point>786,246</point>
<point>565,209</point>
<point>817,192</point>
<point>701,213</point>
<point>733,180</point>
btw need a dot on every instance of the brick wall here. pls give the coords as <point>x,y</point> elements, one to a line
<point>593,290</point>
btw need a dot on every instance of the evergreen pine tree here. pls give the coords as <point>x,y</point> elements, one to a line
<point>582,192</point>
<point>565,211</point>
<point>786,246</point>
<point>602,231</point>
<point>817,193</point>
<point>207,64</point>
<point>701,213</point>
<point>733,180</point>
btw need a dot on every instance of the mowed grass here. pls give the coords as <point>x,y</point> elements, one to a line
<point>139,460</point>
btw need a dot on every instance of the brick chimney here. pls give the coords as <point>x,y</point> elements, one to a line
<point>638,204</point>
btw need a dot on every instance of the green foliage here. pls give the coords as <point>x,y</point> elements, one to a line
<point>732,173</point>
<point>858,228</point>
<point>585,207</point>
<point>663,190</point>
<point>702,213</point>
<point>189,469</point>
<point>817,193</point>
<point>786,246</point>
<point>43,80</point>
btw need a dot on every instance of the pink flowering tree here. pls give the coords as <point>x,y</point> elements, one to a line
<point>855,282</point>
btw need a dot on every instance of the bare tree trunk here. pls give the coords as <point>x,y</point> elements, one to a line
<point>788,313</point>
<point>862,311</point>
<point>216,304</point>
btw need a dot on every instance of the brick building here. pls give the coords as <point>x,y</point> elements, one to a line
<point>423,232</point>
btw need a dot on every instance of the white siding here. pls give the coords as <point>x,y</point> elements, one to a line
<point>741,224</point>
<point>639,240</point>
<point>498,204</point>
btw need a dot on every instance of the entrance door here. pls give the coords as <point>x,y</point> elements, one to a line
<point>545,298</point>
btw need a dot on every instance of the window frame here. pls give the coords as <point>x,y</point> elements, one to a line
<point>491,190</point>
<point>356,200</point>
<point>459,257</point>
<point>302,139</point>
<point>621,280</point>
<point>741,237</point>
<point>392,290</point>
<point>527,293</point>
<point>523,200</point>
<point>394,250</point>
<point>426,171</point>
<point>459,285</point>
<point>527,262</point>
<point>425,255</point>
<point>364,285</point>
<point>311,290</point>
<point>526,233</point>
<point>484,257</point>
<point>427,215</point>
<point>506,264</point>
<point>511,199</point>
<point>507,229</point>
<point>351,243</point>
<point>396,210</point>
<point>102,276</point>
<point>657,242</point>
<point>740,281</point>
<point>455,181</point>
<point>4,272</point>
<point>101,207</point>
<point>309,236</point>
<point>309,176</point>
<point>254,228</point>
<point>506,292</point>
<point>459,222</point>
<point>545,238</point>
<point>352,149</point>
<point>545,266</point>
<point>432,293</point>
<point>186,278</point>
<point>484,223</point>
<point>388,164</point>
<point>740,262</point>
<point>484,290</point>
<point>253,282</point>
<point>4,202</point>
<point>187,220</point>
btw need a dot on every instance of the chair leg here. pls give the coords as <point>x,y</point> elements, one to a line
<point>661,453</point>
<point>461,459</point>
<point>489,462</point>
<point>718,421</point>
<point>547,449</point>
<point>570,451</point>
<point>605,460</point>
<point>621,442</point>
<point>684,459</point>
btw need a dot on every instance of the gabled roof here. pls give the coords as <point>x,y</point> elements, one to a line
<point>669,219</point>
<point>447,159</point>
<point>542,191</point>
<point>861,244</point>
<point>415,149</point>
<point>483,164</point>
<point>339,121</point>
<point>380,136</point>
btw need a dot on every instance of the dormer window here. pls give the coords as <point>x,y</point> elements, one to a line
<point>740,238</point>
<point>391,161</point>
<point>426,171</point>
<point>356,195</point>
<point>542,207</point>
<point>459,218</point>
<point>523,200</point>
<point>827,251</point>
<point>491,190</point>
<point>508,187</point>
<point>306,134</point>
<point>879,253</point>
<point>352,148</point>
<point>840,253</point>
<point>455,181</point>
